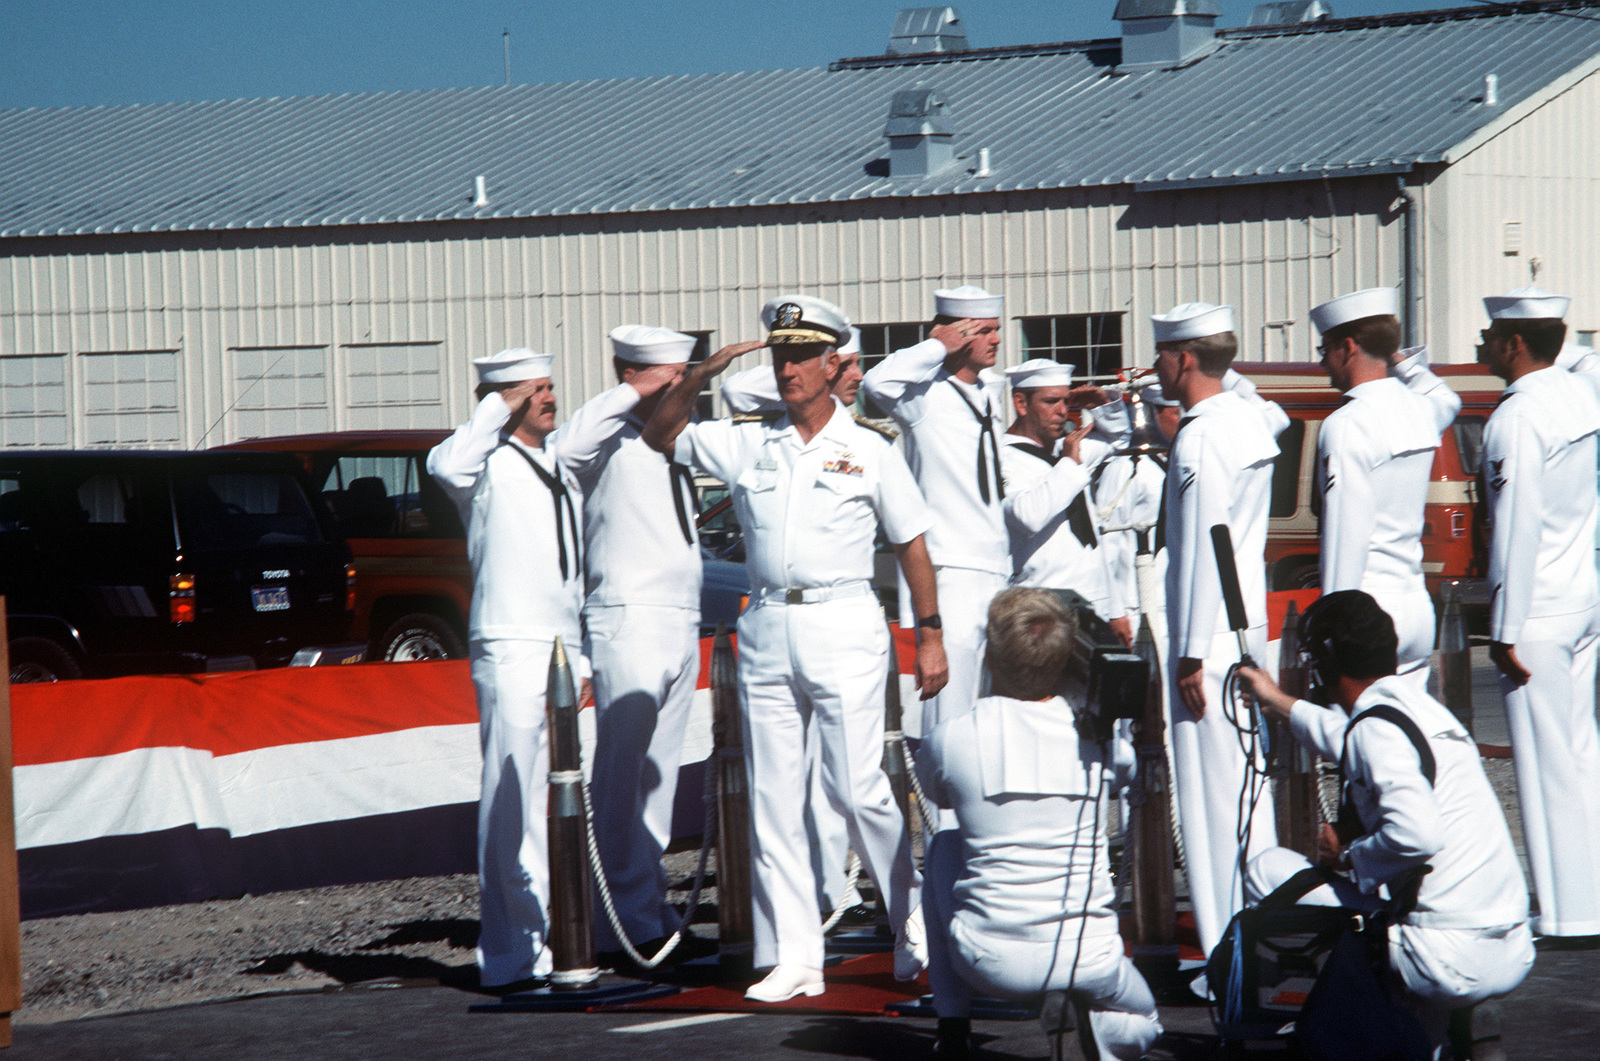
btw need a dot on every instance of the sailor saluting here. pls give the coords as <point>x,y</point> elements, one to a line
<point>523,513</point>
<point>950,406</point>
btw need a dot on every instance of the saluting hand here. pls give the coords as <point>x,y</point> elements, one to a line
<point>956,336</point>
<point>724,357</point>
<point>1087,396</point>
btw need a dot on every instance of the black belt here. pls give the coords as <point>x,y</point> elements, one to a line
<point>563,502</point>
<point>985,432</point>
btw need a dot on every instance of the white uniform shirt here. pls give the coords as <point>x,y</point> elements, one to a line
<point>949,451</point>
<point>1220,471</point>
<point>1455,825</point>
<point>518,530</point>
<point>1024,789</point>
<point>810,510</point>
<point>1375,458</point>
<point>1048,513</point>
<point>1539,464</point>
<point>639,534</point>
<point>753,390</point>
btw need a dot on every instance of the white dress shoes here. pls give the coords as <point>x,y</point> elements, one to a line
<point>787,981</point>
<point>910,948</point>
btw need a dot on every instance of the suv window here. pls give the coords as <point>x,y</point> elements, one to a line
<point>1469,442</point>
<point>1286,471</point>
<point>388,496</point>
<point>239,510</point>
<point>16,511</point>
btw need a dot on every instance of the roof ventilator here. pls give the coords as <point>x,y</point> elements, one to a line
<point>921,133</point>
<point>1290,13</point>
<point>920,30</point>
<point>1163,34</point>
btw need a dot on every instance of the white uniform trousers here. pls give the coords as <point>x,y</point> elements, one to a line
<point>1556,750</point>
<point>1414,625</point>
<point>964,596</point>
<point>513,850</point>
<point>828,832</point>
<point>1208,762</point>
<point>963,961</point>
<point>1442,968</point>
<point>646,661</point>
<point>826,661</point>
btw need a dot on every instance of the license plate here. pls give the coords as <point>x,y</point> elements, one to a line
<point>270,598</point>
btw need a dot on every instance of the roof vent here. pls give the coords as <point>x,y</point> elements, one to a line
<point>1161,34</point>
<point>919,30</point>
<point>921,133</point>
<point>1290,13</point>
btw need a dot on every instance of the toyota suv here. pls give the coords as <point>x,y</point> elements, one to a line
<point>122,563</point>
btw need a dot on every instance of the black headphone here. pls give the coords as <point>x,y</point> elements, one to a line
<point>1318,654</point>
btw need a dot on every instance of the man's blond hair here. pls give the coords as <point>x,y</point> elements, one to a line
<point>1030,642</point>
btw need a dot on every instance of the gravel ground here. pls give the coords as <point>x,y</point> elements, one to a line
<point>423,929</point>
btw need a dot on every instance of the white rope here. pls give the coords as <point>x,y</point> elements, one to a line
<point>604,888</point>
<point>852,876</point>
<point>930,824</point>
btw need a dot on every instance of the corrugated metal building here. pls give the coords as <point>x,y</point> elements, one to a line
<point>188,274</point>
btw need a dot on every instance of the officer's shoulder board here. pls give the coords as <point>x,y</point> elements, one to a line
<point>769,416</point>
<point>879,426</point>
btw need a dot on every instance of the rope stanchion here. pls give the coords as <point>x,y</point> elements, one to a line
<point>571,906</point>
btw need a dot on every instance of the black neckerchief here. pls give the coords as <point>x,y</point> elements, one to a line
<point>985,432</point>
<point>681,482</point>
<point>1161,517</point>
<point>560,497</point>
<point>1078,517</point>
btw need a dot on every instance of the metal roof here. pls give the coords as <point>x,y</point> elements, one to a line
<point>1335,98</point>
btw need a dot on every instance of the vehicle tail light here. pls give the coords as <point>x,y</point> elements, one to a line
<point>349,587</point>
<point>744,598</point>
<point>180,599</point>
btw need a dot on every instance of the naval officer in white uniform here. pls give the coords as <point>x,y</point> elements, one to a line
<point>1027,907</point>
<point>1539,466</point>
<point>754,392</point>
<point>1374,460</point>
<point>1443,839</point>
<point>810,490</point>
<point>1046,463</point>
<point>523,514</point>
<point>950,406</point>
<point>1219,471</point>
<point>643,621</point>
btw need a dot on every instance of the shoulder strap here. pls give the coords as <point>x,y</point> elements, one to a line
<point>1399,718</point>
<point>879,426</point>
<point>1297,887</point>
<point>768,416</point>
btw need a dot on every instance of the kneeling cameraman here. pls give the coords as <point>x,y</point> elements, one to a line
<point>1021,906</point>
<point>1466,938</point>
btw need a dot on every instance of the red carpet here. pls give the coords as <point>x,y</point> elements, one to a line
<point>862,986</point>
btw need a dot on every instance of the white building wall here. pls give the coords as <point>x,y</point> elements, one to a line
<point>216,337</point>
<point>1534,189</point>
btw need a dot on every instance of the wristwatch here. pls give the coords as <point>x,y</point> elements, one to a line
<point>930,622</point>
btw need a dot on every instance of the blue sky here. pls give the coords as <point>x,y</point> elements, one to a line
<point>89,52</point>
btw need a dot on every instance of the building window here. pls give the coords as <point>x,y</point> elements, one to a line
<point>1090,342</point>
<point>705,402</point>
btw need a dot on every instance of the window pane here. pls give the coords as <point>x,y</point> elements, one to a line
<point>1286,470</point>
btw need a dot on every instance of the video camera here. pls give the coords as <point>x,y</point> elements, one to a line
<point>1116,678</point>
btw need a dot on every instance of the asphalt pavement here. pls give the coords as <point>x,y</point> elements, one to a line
<point>1554,1014</point>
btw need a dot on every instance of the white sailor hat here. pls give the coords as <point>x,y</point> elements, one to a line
<point>643,344</point>
<point>1357,305</point>
<point>1192,320</point>
<point>1527,303</point>
<point>852,345</point>
<point>791,319</point>
<point>968,302</point>
<point>1040,372</point>
<point>513,366</point>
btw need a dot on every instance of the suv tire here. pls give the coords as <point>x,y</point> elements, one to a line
<point>418,636</point>
<point>39,659</point>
